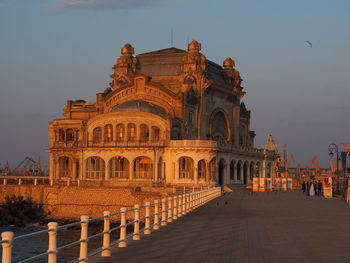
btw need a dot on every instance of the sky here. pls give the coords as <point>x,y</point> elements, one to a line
<point>55,50</point>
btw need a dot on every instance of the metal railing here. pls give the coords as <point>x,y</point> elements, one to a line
<point>163,212</point>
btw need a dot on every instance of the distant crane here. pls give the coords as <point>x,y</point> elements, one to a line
<point>28,167</point>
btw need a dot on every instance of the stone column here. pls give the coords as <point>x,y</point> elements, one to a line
<point>52,168</point>
<point>74,172</point>
<point>195,172</point>
<point>107,170</point>
<point>236,111</point>
<point>263,174</point>
<point>242,174</point>
<point>248,173</point>
<point>81,170</point>
<point>235,172</point>
<point>207,167</point>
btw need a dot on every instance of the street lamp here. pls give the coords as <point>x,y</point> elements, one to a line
<point>333,149</point>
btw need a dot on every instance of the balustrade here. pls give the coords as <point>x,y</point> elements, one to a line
<point>171,209</point>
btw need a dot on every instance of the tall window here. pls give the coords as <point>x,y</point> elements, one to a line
<point>202,169</point>
<point>119,167</point>
<point>185,167</point>
<point>155,133</point>
<point>212,169</point>
<point>95,168</point>
<point>70,135</point>
<point>131,132</point>
<point>120,132</point>
<point>143,168</point>
<point>63,166</point>
<point>144,133</point>
<point>97,134</point>
<point>108,136</point>
<point>61,135</point>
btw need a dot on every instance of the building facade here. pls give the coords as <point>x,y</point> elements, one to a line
<point>169,117</point>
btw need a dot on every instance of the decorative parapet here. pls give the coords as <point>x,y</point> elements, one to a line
<point>193,143</point>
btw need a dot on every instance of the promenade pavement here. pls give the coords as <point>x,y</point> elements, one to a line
<point>263,227</point>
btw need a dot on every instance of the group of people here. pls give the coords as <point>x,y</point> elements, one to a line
<point>312,188</point>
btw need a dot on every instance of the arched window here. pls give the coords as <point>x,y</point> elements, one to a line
<point>144,133</point>
<point>108,135</point>
<point>268,170</point>
<point>202,169</point>
<point>212,169</point>
<point>61,135</point>
<point>119,167</point>
<point>70,135</point>
<point>95,168</point>
<point>257,169</point>
<point>186,167</point>
<point>143,168</point>
<point>131,132</point>
<point>160,169</point>
<point>219,127</point>
<point>251,174</point>
<point>239,170</point>
<point>64,166</point>
<point>120,132</point>
<point>232,170</point>
<point>97,135</point>
<point>155,133</point>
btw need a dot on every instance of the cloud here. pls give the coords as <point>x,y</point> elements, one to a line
<point>111,4</point>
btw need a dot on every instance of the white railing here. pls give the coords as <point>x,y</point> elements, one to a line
<point>164,212</point>
<point>23,179</point>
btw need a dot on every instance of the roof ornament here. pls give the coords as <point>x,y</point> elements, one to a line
<point>194,47</point>
<point>124,68</point>
<point>233,77</point>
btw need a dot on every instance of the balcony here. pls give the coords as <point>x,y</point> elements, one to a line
<point>136,143</point>
<point>193,143</point>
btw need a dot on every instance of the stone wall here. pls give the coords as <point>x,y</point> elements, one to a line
<point>70,202</point>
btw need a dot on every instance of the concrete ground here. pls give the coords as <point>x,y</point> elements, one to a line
<point>263,227</point>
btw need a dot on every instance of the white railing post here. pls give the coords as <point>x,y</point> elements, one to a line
<point>7,238</point>
<point>163,213</point>
<point>5,181</point>
<point>122,239</point>
<point>68,182</point>
<point>52,251</point>
<point>187,203</point>
<point>84,239</point>
<point>147,219</point>
<point>179,206</point>
<point>175,208</point>
<point>136,235</point>
<point>36,181</point>
<point>51,182</point>
<point>19,181</point>
<point>106,247</point>
<point>191,201</point>
<point>156,215</point>
<point>184,204</point>
<point>170,218</point>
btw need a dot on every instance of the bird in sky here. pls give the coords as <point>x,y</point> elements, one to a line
<point>309,43</point>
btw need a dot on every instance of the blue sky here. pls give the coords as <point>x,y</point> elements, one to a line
<point>52,51</point>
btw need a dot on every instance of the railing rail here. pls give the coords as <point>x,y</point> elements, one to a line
<point>163,212</point>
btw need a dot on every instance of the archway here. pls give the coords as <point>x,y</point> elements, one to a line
<point>232,171</point>
<point>239,171</point>
<point>119,167</point>
<point>143,168</point>
<point>95,168</point>
<point>212,170</point>
<point>65,167</point>
<point>251,169</point>
<point>186,168</point>
<point>245,173</point>
<point>222,171</point>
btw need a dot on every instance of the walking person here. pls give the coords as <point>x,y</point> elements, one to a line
<point>319,187</point>
<point>303,187</point>
<point>308,189</point>
<point>312,189</point>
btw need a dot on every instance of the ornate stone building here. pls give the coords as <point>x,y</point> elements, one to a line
<point>169,117</point>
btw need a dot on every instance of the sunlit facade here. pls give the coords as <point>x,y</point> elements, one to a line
<point>169,117</point>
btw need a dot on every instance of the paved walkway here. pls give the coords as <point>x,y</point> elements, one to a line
<point>264,227</point>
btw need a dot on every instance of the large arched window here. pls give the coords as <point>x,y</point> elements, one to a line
<point>155,133</point>
<point>97,134</point>
<point>120,132</point>
<point>108,133</point>
<point>119,167</point>
<point>64,166</point>
<point>212,169</point>
<point>61,135</point>
<point>95,168</point>
<point>131,132</point>
<point>186,167</point>
<point>232,170</point>
<point>202,169</point>
<point>70,135</point>
<point>144,133</point>
<point>143,168</point>
<point>218,127</point>
<point>268,170</point>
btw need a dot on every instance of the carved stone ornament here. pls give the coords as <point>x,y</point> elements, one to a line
<point>124,68</point>
<point>232,75</point>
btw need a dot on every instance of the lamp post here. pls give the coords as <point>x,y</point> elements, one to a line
<point>333,149</point>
